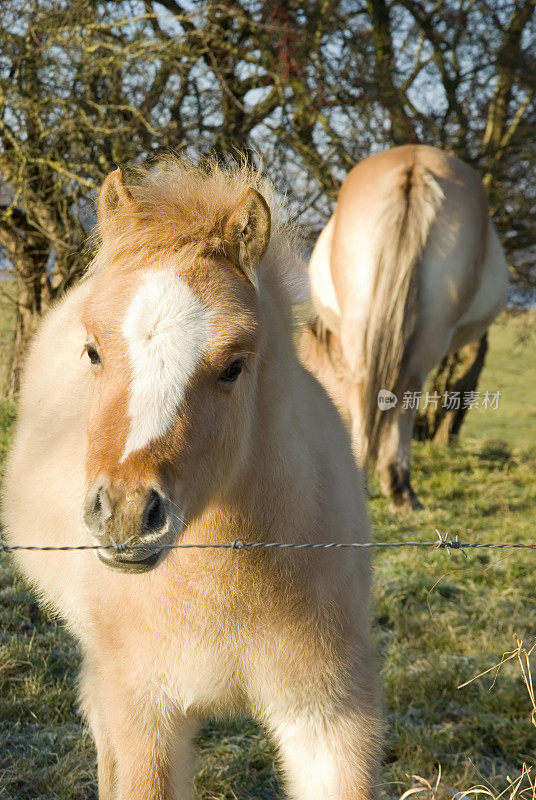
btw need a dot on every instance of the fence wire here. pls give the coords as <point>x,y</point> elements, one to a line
<point>444,541</point>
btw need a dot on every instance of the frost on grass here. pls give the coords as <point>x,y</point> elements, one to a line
<point>523,786</point>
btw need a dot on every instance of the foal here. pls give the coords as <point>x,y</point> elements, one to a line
<point>163,402</point>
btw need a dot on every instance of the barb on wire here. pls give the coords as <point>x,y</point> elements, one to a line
<point>446,541</point>
<point>443,542</point>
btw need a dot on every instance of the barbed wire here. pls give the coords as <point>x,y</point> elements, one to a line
<point>443,542</point>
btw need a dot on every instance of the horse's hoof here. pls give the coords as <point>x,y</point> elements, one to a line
<point>405,500</point>
<point>416,504</point>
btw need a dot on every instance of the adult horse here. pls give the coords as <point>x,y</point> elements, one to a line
<point>408,267</point>
<point>162,401</point>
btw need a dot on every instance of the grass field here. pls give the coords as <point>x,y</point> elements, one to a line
<point>439,620</point>
<point>510,369</point>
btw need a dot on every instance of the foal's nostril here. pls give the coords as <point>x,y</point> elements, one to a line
<point>122,512</point>
<point>97,505</point>
<point>155,515</point>
<point>97,508</point>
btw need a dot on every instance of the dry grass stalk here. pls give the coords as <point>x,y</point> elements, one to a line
<point>523,787</point>
<point>523,656</point>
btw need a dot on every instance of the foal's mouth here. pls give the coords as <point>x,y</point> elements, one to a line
<point>130,562</point>
<point>141,519</point>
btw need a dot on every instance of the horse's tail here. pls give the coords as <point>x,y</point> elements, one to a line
<point>403,230</point>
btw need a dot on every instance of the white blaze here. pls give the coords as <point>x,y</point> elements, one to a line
<point>167,330</point>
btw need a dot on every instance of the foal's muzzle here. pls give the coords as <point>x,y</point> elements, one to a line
<point>122,518</point>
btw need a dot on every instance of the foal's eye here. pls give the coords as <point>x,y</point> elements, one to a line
<point>92,354</point>
<point>232,370</point>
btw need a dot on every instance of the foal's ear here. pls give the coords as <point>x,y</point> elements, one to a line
<point>114,198</point>
<point>246,233</point>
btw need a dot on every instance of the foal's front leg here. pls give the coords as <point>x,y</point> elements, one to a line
<point>328,730</point>
<point>91,703</point>
<point>151,745</point>
<point>329,754</point>
<point>153,761</point>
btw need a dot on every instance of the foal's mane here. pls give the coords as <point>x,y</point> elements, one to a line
<point>181,206</point>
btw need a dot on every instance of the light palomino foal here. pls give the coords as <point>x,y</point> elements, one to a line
<point>408,267</point>
<point>163,401</point>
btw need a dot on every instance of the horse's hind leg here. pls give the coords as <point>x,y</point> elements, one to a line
<point>394,459</point>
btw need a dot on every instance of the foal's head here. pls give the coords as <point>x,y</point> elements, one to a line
<point>172,335</point>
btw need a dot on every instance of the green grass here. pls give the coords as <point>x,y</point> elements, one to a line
<point>511,369</point>
<point>439,620</point>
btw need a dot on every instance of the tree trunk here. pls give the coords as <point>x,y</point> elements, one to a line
<point>458,372</point>
<point>402,128</point>
<point>31,296</point>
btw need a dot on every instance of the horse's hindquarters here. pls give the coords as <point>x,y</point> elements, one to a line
<point>490,295</point>
<point>322,289</point>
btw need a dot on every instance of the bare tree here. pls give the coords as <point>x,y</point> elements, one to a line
<point>308,86</point>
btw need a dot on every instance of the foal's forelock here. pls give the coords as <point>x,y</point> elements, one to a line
<point>199,283</point>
